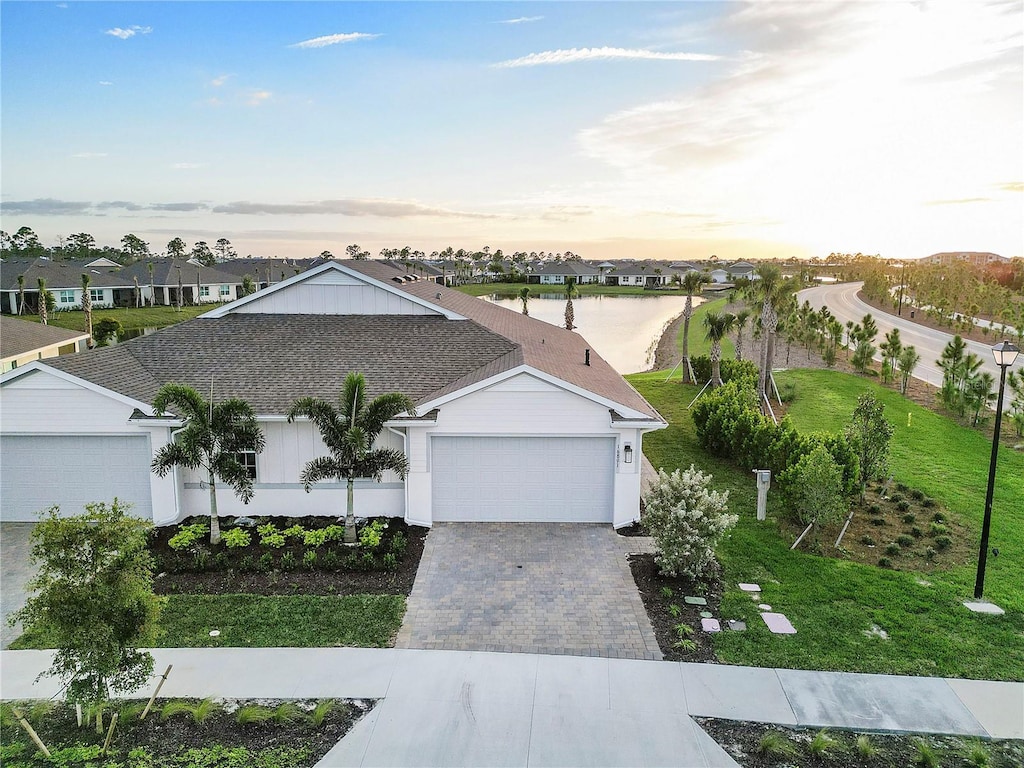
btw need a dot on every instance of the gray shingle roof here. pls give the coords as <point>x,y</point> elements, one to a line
<point>58,274</point>
<point>20,336</point>
<point>165,272</point>
<point>270,360</point>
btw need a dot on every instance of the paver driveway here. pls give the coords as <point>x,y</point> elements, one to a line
<point>561,588</point>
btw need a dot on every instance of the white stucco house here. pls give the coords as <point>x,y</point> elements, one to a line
<point>516,419</point>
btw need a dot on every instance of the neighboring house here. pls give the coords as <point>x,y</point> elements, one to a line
<point>107,288</point>
<point>720,276</point>
<point>560,272</point>
<point>516,420</point>
<point>741,269</point>
<point>21,342</point>
<point>977,258</point>
<point>648,275</point>
<point>199,284</point>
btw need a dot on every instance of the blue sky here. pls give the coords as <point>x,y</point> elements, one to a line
<point>609,129</point>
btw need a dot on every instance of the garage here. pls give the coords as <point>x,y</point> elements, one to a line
<point>38,471</point>
<point>522,479</point>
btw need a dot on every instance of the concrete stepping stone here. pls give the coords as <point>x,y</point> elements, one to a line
<point>778,624</point>
<point>764,606</point>
<point>750,587</point>
<point>710,625</point>
<point>706,614</point>
<point>695,601</point>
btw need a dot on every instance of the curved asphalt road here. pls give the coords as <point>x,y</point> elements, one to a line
<point>842,301</point>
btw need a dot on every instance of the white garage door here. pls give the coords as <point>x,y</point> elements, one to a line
<point>523,479</point>
<point>38,471</point>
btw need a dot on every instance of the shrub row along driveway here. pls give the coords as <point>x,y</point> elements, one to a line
<point>561,588</point>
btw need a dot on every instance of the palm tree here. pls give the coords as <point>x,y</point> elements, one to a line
<point>692,283</point>
<point>349,432</point>
<point>21,295</point>
<point>42,309</point>
<point>570,292</point>
<point>718,325</point>
<point>740,325</point>
<point>524,296</point>
<point>180,297</point>
<point>87,305</point>
<point>212,438</point>
<point>152,285</point>
<point>771,291</point>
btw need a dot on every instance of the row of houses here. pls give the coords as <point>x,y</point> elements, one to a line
<point>647,274</point>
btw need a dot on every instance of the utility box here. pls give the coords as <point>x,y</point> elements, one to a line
<point>764,482</point>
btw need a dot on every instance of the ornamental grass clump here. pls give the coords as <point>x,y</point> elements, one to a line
<point>687,520</point>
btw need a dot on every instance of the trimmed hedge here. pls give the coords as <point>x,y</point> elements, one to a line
<point>729,424</point>
<point>731,369</point>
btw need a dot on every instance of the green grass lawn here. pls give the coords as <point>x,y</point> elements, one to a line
<point>833,602</point>
<point>254,621</point>
<point>130,318</point>
<point>700,345</point>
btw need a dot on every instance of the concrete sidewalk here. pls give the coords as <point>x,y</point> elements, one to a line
<point>449,708</point>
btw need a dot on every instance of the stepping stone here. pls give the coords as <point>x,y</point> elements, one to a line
<point>695,601</point>
<point>710,625</point>
<point>750,587</point>
<point>737,626</point>
<point>984,607</point>
<point>778,624</point>
<point>706,614</point>
<point>764,607</point>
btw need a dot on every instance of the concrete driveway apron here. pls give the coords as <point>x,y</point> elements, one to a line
<point>559,588</point>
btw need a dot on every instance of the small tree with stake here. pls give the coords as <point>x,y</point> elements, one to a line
<point>93,599</point>
<point>869,433</point>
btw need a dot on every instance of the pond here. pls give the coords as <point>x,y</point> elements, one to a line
<point>624,330</point>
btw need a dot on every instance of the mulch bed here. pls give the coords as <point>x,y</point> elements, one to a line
<point>398,581</point>
<point>666,611</point>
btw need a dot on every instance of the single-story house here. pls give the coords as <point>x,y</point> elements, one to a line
<point>559,272</point>
<point>21,342</point>
<point>107,287</point>
<point>646,274</point>
<point>199,284</point>
<point>720,276</point>
<point>515,419</point>
<point>742,269</point>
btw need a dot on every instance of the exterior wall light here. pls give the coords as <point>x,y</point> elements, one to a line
<point>627,454</point>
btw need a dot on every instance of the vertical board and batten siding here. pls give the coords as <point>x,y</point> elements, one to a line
<point>39,403</point>
<point>333,293</point>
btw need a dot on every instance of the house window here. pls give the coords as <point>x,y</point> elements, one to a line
<point>66,297</point>
<point>225,291</point>
<point>248,461</point>
<point>204,291</point>
<point>96,294</point>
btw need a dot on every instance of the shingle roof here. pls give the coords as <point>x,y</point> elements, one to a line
<point>20,336</point>
<point>58,274</point>
<point>270,360</point>
<point>165,272</point>
<point>567,268</point>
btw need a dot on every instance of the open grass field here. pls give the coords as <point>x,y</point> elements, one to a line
<point>699,345</point>
<point>835,603</point>
<point>130,318</point>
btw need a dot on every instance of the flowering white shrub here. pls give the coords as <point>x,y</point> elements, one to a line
<point>687,520</point>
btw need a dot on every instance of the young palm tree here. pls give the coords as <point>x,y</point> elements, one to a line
<point>349,432</point>
<point>181,289</point>
<point>742,317</point>
<point>692,283</point>
<point>524,296</point>
<point>21,295</point>
<point>771,292</point>
<point>570,293</point>
<point>211,440</point>
<point>42,309</point>
<point>152,285</point>
<point>718,325</point>
<point>87,305</point>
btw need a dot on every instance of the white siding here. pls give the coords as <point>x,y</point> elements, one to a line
<point>334,293</point>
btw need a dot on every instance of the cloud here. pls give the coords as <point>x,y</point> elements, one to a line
<point>125,33</point>
<point>122,204</point>
<point>520,20</point>
<point>960,201</point>
<point>180,207</point>
<point>187,166</point>
<point>325,40</point>
<point>392,209</point>
<point>44,206</point>
<point>256,98</point>
<point>105,82</point>
<point>573,55</point>
<point>89,155</point>
<point>218,81</point>
<point>1012,186</point>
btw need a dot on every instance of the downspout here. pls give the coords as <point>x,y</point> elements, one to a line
<point>405,481</point>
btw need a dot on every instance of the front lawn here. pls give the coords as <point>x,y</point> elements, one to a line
<point>129,318</point>
<point>835,603</point>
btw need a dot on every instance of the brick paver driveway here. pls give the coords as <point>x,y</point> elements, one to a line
<point>530,588</point>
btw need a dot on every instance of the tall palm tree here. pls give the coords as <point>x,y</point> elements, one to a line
<point>770,291</point>
<point>152,285</point>
<point>349,432</point>
<point>718,325</point>
<point>42,309</point>
<point>570,292</point>
<point>87,305</point>
<point>692,283</point>
<point>21,295</point>
<point>524,296</point>
<point>742,317</point>
<point>213,436</point>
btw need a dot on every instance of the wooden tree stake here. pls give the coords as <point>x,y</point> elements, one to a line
<point>78,713</point>
<point>163,679</point>
<point>31,732</point>
<point>110,734</point>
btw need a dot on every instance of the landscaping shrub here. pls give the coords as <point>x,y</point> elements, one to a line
<point>687,520</point>
<point>730,369</point>
<point>815,486</point>
<point>893,549</point>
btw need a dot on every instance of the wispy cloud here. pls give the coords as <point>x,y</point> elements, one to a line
<point>44,206</point>
<point>106,82</point>
<point>392,209</point>
<point>218,81</point>
<point>1012,186</point>
<point>256,98</point>
<point>325,40</point>
<point>520,20</point>
<point>960,201</point>
<point>574,55</point>
<point>180,207</point>
<point>125,32</point>
<point>187,166</point>
<point>89,155</point>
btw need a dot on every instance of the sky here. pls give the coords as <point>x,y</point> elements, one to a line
<point>613,130</point>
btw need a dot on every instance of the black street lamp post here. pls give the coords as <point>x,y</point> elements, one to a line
<point>1005,353</point>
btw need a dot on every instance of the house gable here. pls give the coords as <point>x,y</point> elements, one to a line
<point>332,289</point>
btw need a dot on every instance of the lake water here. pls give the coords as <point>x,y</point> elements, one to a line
<point>624,330</point>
